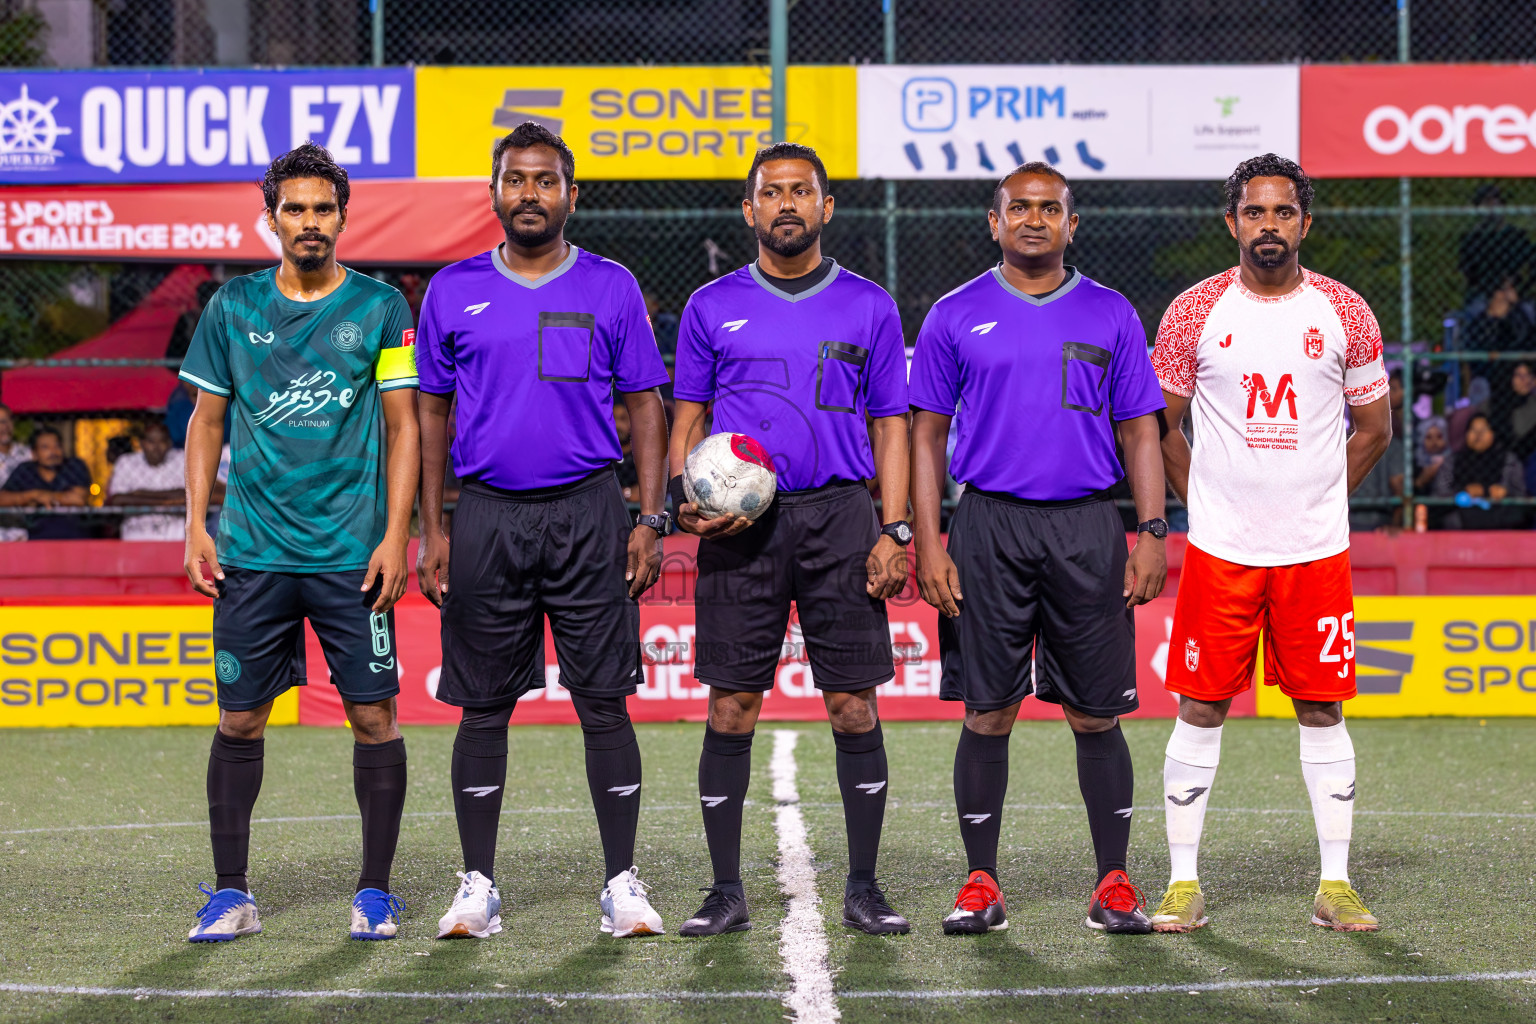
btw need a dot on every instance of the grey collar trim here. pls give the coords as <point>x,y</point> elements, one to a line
<point>1073,278</point>
<point>512,275</point>
<point>773,289</point>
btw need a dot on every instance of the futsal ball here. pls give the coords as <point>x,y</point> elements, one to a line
<point>729,474</point>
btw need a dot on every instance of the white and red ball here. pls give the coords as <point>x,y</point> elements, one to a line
<point>729,474</point>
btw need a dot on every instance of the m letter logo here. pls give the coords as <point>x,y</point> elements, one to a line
<point>1258,391</point>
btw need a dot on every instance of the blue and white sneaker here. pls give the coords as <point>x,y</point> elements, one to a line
<point>228,914</point>
<point>476,909</point>
<point>626,909</point>
<point>376,914</point>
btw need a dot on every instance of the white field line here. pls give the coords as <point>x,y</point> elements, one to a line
<point>894,806</point>
<point>1063,992</point>
<point>802,938</point>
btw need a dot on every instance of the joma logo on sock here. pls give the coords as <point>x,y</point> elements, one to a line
<point>714,801</point>
<point>624,790</point>
<point>1190,796</point>
<point>976,819</point>
<point>871,787</point>
<point>480,790</point>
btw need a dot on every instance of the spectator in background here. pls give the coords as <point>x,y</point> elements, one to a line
<point>12,452</point>
<point>1492,252</point>
<point>153,475</point>
<point>50,479</point>
<point>1385,480</point>
<point>1486,472</point>
<point>1516,419</point>
<point>1429,454</point>
<point>629,476</point>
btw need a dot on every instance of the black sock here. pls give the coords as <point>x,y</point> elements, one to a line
<point>725,769</point>
<point>479,776</point>
<point>981,782</point>
<point>234,780</point>
<point>1108,784</point>
<point>862,776</point>
<point>378,778</point>
<point>613,776</point>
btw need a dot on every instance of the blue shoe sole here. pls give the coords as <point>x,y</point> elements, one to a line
<point>213,938</point>
<point>370,936</point>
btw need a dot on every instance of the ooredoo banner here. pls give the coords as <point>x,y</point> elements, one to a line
<point>1112,121</point>
<point>626,123</point>
<point>201,125</point>
<point>387,222</point>
<point>1418,120</point>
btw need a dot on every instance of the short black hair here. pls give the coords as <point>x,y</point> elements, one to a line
<point>1269,166</point>
<point>40,431</point>
<point>306,160</point>
<point>787,151</point>
<point>155,425</point>
<point>526,136</point>
<point>1034,167</point>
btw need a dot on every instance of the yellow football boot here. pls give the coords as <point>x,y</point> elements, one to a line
<point>1339,907</point>
<point>1182,909</point>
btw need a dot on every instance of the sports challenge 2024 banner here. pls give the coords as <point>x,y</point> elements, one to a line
<point>1418,120</point>
<point>626,123</point>
<point>210,125</point>
<point>1109,121</point>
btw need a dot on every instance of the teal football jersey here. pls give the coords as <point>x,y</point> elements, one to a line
<point>306,477</point>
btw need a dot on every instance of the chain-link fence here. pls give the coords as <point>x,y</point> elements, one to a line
<point>1447,264</point>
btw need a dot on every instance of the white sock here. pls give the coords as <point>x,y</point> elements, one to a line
<point>1328,765</point>
<point>1189,770</point>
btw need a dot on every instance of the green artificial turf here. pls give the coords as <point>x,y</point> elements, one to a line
<point>111,907</point>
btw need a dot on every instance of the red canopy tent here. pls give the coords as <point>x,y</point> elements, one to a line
<point>141,334</point>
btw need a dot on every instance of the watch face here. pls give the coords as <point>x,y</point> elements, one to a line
<point>900,532</point>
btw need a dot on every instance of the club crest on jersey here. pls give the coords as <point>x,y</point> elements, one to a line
<point>1191,654</point>
<point>346,336</point>
<point>1312,342</point>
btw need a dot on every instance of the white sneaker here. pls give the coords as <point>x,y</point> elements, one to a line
<point>626,911</point>
<point>476,909</point>
<point>228,914</point>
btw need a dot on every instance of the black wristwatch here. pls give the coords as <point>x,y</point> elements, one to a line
<point>661,522</point>
<point>1156,527</point>
<point>899,531</point>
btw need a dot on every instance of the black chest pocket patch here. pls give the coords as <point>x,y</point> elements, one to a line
<point>1084,371</point>
<point>565,346</point>
<point>839,372</point>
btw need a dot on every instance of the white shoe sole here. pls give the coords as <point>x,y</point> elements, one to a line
<point>1180,929</point>
<point>1332,926</point>
<point>640,928</point>
<point>460,930</point>
<point>252,929</point>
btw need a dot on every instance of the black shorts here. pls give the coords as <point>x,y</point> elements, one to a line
<point>1047,579</point>
<point>811,547</point>
<point>258,635</point>
<point>517,556</point>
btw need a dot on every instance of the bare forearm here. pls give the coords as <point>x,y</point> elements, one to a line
<point>1175,447</point>
<point>892,466</point>
<point>1144,466</point>
<point>433,416</point>
<point>687,431</point>
<point>930,434</point>
<point>205,443</point>
<point>404,440</point>
<point>648,433</point>
<point>1361,453</point>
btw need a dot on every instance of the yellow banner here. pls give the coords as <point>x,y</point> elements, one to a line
<point>110,665</point>
<point>634,122</point>
<point>1414,656</point>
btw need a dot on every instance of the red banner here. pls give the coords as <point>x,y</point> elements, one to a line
<point>388,222</point>
<point>671,693</point>
<point>1418,120</point>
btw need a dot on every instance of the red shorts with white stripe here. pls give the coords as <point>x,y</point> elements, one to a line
<point>1306,613</point>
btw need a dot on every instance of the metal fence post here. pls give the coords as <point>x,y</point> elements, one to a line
<point>889,12</point>
<point>376,16</point>
<point>778,59</point>
<point>1405,270</point>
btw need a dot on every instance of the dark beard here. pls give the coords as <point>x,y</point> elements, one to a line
<point>554,224</point>
<point>1269,262</point>
<point>788,246</point>
<point>308,264</point>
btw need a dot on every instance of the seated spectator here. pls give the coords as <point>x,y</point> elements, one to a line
<point>153,475</point>
<point>1485,471</point>
<point>1428,455</point>
<point>53,480</point>
<point>12,452</point>
<point>1517,412</point>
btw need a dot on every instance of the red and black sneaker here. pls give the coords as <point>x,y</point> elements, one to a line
<point>978,909</point>
<point>1117,907</point>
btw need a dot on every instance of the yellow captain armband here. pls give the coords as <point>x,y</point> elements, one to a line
<point>396,368</point>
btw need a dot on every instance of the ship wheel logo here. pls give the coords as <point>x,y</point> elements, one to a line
<point>28,132</point>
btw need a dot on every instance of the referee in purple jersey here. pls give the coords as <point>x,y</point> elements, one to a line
<point>802,355</point>
<point>1044,369</point>
<point>532,339</point>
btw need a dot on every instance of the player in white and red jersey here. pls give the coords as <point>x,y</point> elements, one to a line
<point>1266,357</point>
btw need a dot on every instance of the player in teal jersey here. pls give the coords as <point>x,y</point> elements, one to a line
<point>309,354</point>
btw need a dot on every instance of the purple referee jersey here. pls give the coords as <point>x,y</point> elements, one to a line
<point>1038,380</point>
<point>797,372</point>
<point>534,364</point>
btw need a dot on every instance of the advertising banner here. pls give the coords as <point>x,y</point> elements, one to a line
<point>207,125</point>
<point>1418,120</point>
<point>1415,656</point>
<point>1128,122</point>
<point>387,222</point>
<point>112,665</point>
<point>626,123</point>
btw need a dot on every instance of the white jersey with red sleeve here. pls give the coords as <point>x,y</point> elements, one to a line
<point>1269,379</point>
